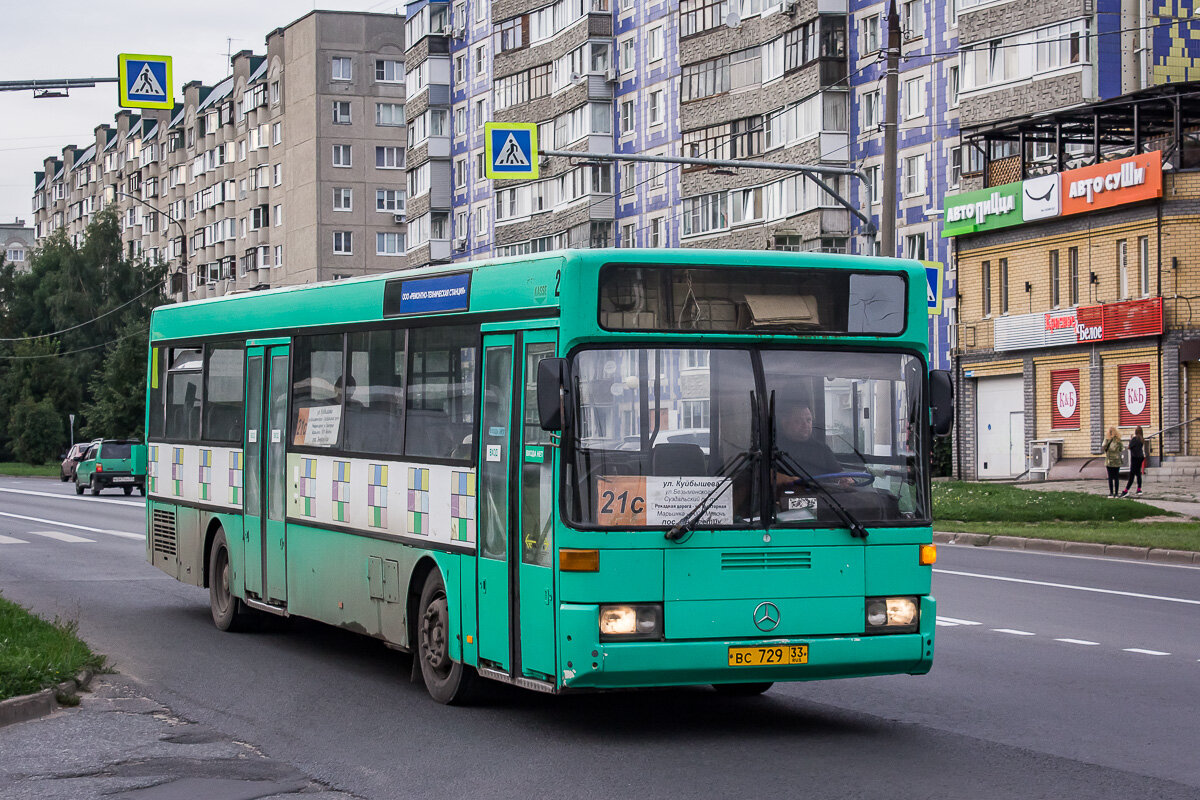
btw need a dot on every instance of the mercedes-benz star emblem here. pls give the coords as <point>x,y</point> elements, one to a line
<point>766,616</point>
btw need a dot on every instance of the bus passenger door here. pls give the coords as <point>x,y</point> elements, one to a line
<point>534,496</point>
<point>265,472</point>
<point>252,464</point>
<point>495,442</point>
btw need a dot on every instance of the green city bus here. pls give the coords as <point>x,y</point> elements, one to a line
<point>572,470</point>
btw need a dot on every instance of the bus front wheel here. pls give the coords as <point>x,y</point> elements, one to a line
<point>448,681</point>
<point>227,611</point>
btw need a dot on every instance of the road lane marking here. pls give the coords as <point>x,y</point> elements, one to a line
<point>139,536</point>
<point>1079,641</point>
<point>69,538</point>
<point>1013,632</point>
<point>138,503</point>
<point>1140,651</point>
<point>1069,586</point>
<point>954,621</point>
<point>11,540</point>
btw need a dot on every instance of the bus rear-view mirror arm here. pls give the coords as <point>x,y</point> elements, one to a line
<point>941,402</point>
<point>552,389</point>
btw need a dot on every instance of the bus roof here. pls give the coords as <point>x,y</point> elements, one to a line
<point>515,287</point>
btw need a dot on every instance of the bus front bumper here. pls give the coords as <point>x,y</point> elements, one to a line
<point>587,663</point>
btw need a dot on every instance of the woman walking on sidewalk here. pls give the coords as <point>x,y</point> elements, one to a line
<point>1137,459</point>
<point>1112,460</point>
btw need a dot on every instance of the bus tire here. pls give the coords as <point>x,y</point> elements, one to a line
<point>228,613</point>
<point>449,682</point>
<point>742,689</point>
<point>96,487</point>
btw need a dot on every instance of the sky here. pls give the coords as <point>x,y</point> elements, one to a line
<point>71,39</point>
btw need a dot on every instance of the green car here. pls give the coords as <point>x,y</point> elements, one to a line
<point>111,463</point>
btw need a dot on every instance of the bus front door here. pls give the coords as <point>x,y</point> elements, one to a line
<point>265,473</point>
<point>516,505</point>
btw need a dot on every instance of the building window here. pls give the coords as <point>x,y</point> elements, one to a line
<point>628,177</point>
<point>278,215</point>
<point>654,44</point>
<point>954,170</point>
<point>914,246</point>
<point>341,155</point>
<point>342,68</point>
<point>343,242</point>
<point>388,71</point>
<point>914,175</point>
<point>655,109</point>
<point>870,34</point>
<point>912,19</point>
<point>952,86</point>
<point>341,112</point>
<point>656,232</point>
<point>627,116</point>
<point>275,94</point>
<point>1003,265</point>
<point>481,59</point>
<point>389,244</point>
<point>391,200</point>
<point>914,98</point>
<point>279,255</point>
<point>277,133</point>
<point>389,113</point>
<point>987,288</point>
<point>1054,279</point>
<point>1123,268</point>
<point>460,173</point>
<point>872,111</point>
<point>343,199</point>
<point>628,55</point>
<point>1073,274</point>
<point>629,235</point>
<point>1144,265</point>
<point>389,157</point>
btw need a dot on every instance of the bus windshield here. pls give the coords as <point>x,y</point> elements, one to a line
<point>660,430</point>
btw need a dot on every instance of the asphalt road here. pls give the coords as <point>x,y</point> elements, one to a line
<point>1054,676</point>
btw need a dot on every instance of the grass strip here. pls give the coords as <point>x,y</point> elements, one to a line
<point>1164,535</point>
<point>36,654</point>
<point>992,502</point>
<point>30,470</point>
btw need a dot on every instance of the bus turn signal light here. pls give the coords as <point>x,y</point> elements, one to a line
<point>579,560</point>
<point>928,554</point>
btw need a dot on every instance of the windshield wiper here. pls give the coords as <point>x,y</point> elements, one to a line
<point>729,470</point>
<point>779,457</point>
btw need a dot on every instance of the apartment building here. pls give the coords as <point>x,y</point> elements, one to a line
<point>17,243</point>
<point>289,170</point>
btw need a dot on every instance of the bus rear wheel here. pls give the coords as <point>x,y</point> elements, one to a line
<point>228,613</point>
<point>448,681</point>
<point>742,689</point>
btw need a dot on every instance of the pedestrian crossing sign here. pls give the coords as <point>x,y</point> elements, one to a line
<point>510,150</point>
<point>933,286</point>
<point>145,81</point>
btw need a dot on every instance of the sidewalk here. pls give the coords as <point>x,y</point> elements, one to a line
<point>1181,495</point>
<point>119,744</point>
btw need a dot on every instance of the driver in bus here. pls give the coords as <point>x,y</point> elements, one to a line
<point>794,436</point>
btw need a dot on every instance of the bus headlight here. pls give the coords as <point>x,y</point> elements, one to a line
<point>891,614</point>
<point>631,621</point>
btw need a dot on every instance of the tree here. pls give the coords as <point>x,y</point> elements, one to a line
<point>36,430</point>
<point>80,305</point>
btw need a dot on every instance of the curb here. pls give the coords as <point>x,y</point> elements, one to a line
<point>1070,548</point>
<point>40,704</point>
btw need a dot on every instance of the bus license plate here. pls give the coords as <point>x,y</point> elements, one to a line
<point>768,656</point>
<point>122,480</point>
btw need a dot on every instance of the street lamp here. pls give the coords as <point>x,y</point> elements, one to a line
<point>183,259</point>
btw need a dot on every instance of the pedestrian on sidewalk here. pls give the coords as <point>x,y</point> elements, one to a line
<point>1112,460</point>
<point>1137,459</point>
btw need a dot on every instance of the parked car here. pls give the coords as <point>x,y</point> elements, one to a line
<point>71,460</point>
<point>112,462</point>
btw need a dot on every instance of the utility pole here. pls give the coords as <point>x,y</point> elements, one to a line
<point>887,222</point>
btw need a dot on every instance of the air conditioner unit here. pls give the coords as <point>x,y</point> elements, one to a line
<point>613,75</point>
<point>400,218</point>
<point>457,32</point>
<point>1039,457</point>
<point>460,244</point>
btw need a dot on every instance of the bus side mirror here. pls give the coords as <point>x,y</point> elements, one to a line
<point>941,401</point>
<point>552,386</point>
